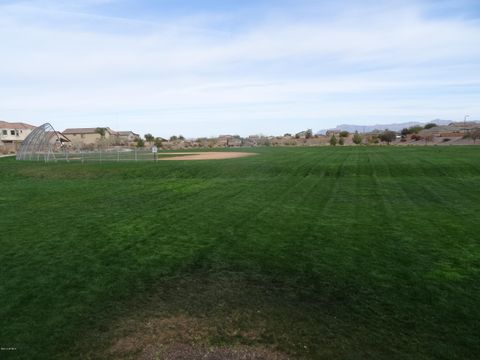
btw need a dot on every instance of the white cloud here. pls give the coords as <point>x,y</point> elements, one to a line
<point>57,62</point>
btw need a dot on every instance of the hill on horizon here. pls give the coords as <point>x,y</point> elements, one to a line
<point>394,126</point>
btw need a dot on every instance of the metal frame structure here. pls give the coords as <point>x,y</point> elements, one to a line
<point>39,144</point>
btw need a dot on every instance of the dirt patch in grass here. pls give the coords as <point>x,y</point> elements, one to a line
<point>180,338</point>
<point>226,315</point>
<point>182,352</point>
<point>201,317</point>
<point>205,156</point>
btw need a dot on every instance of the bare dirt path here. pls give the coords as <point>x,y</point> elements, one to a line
<point>204,155</point>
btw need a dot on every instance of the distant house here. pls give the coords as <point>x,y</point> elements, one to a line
<point>234,142</point>
<point>91,136</point>
<point>465,124</point>
<point>127,137</point>
<point>12,134</point>
<point>301,135</point>
<point>443,131</point>
<point>223,140</point>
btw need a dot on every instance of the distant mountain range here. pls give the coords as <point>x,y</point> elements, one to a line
<point>394,127</point>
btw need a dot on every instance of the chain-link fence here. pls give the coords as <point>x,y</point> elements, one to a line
<point>46,144</point>
<point>105,154</point>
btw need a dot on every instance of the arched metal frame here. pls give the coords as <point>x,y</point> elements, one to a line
<point>39,144</point>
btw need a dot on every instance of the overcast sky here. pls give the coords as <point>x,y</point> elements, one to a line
<point>208,67</point>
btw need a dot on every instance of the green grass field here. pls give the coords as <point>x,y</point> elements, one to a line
<point>320,253</point>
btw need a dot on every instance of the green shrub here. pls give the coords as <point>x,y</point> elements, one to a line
<point>357,138</point>
<point>333,140</point>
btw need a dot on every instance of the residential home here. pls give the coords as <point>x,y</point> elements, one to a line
<point>443,131</point>
<point>465,124</point>
<point>301,135</point>
<point>234,142</point>
<point>91,136</point>
<point>128,137</point>
<point>12,135</point>
<point>222,140</point>
<point>250,142</point>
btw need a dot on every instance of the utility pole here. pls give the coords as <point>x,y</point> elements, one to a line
<point>465,123</point>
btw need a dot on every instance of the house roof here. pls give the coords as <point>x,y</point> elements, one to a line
<point>86,131</point>
<point>126,133</point>
<point>463,124</point>
<point>16,125</point>
<point>80,131</point>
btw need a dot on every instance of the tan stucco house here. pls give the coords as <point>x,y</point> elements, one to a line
<point>128,137</point>
<point>91,136</point>
<point>12,134</point>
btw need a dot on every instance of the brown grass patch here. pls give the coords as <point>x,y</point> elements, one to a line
<point>184,337</point>
<point>220,315</point>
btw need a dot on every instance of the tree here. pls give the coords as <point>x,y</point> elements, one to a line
<point>102,131</point>
<point>287,135</point>
<point>415,129</point>
<point>149,138</point>
<point>373,139</point>
<point>344,134</point>
<point>341,141</point>
<point>357,138</point>
<point>475,135</point>
<point>430,125</point>
<point>405,132</point>
<point>388,136</point>
<point>173,138</point>
<point>333,140</point>
<point>309,134</point>
<point>140,143</point>
<point>180,137</point>
<point>158,142</point>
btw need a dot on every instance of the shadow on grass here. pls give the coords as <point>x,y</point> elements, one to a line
<point>227,315</point>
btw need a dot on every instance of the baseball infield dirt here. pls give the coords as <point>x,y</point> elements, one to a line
<point>204,156</point>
